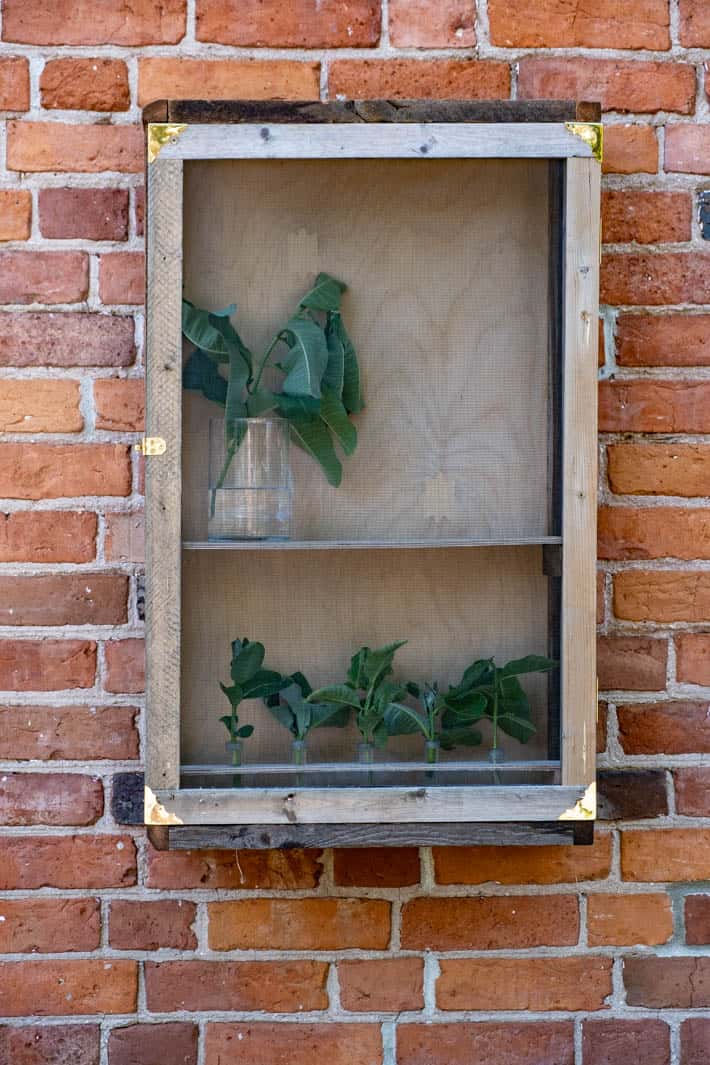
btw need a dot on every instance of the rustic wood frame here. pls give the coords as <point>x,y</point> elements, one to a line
<point>250,817</point>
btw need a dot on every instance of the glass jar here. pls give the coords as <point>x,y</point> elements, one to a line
<point>250,487</point>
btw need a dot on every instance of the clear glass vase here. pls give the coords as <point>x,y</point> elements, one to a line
<point>299,754</point>
<point>250,487</point>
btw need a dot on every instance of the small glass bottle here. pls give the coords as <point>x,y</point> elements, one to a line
<point>235,749</point>
<point>299,754</point>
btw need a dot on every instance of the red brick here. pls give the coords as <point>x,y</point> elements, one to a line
<point>125,666</point>
<point>663,340</point>
<point>40,406</point>
<point>301,24</point>
<point>653,406</point>
<point>650,280</point>
<point>261,1043</point>
<point>523,865</point>
<point>85,862</point>
<point>50,799</point>
<point>664,728</point>
<point>659,469</point>
<point>694,24</point>
<point>120,404</point>
<point>666,854</point>
<point>61,146</point>
<point>492,984</point>
<point>14,83</point>
<point>376,866</point>
<point>548,1043</point>
<point>67,22</point>
<point>619,85</point>
<point>681,983</point>
<point>64,599</point>
<point>51,1044</point>
<point>38,925</point>
<point>54,471</point>
<point>697,920</point>
<point>388,985</point>
<point>692,791</point>
<point>122,277</point>
<point>695,1040</point>
<point>631,794</point>
<point>654,532</point>
<point>289,870</point>
<point>47,536</point>
<point>69,732</point>
<point>299,924</point>
<point>85,214</point>
<point>662,595</point>
<point>616,1042</point>
<point>556,24</point>
<point>490,923</point>
<point>85,85</point>
<point>125,537</point>
<point>687,149</point>
<point>216,79</point>
<point>148,1044</point>
<point>631,663</point>
<point>464,79</point>
<point>629,920</point>
<point>276,986</point>
<point>15,214</point>
<point>46,665</point>
<point>67,987</point>
<point>645,217</point>
<point>152,925</point>
<point>43,276</point>
<point>432,24</point>
<point>65,339</point>
<point>630,149</point>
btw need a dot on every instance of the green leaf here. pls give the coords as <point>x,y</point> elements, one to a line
<point>325,294</point>
<point>261,402</point>
<point>284,716</point>
<point>340,694</point>
<point>377,664</point>
<point>307,358</point>
<point>329,714</point>
<point>480,672</point>
<point>200,374</point>
<point>227,722</point>
<point>235,407</point>
<point>244,731</point>
<point>352,395</point>
<point>519,728</point>
<point>380,734</point>
<point>295,405</point>
<point>529,664</point>
<point>401,720</point>
<point>197,328</point>
<point>311,434</point>
<point>336,418</point>
<point>234,343</point>
<point>263,684</point>
<point>246,661</point>
<point>450,738</point>
<point>234,694</point>
<point>467,707</point>
<point>334,375</point>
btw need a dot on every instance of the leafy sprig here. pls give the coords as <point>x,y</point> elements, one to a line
<point>291,708</point>
<point>249,681</point>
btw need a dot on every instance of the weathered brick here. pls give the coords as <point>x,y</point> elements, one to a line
<point>57,988</point>
<point>662,595</point>
<point>522,865</point>
<point>289,870</point>
<point>629,215</point>
<point>47,536</point>
<point>120,404</point>
<point>302,24</point>
<point>629,920</point>
<point>554,24</point>
<point>665,854</point>
<point>51,1044</point>
<point>659,469</point>
<point>695,1040</point>
<point>15,214</point>
<point>692,791</point>
<point>465,79</point>
<point>146,1044</point>
<point>387,985</point>
<point>687,148</point>
<point>679,983</point>
<point>649,280</point>
<point>548,1043</point>
<point>490,923</point>
<point>43,276</point>
<point>654,532</point>
<point>694,24</point>
<point>125,666</point>
<point>615,1042</point>
<point>376,866</point>
<point>697,920</point>
<point>618,84</point>
<point>125,537</point>
<point>84,862</point>
<point>67,22</point>
<point>14,83</point>
<point>50,799</point>
<point>432,24</point>
<point>68,732</point>
<point>631,794</point>
<point>85,85</point>
<point>61,146</point>
<point>299,924</point>
<point>122,277</point>
<point>46,665</point>
<point>40,406</point>
<point>630,149</point>
<point>207,79</point>
<point>85,214</point>
<point>65,339</point>
<point>37,925</point>
<point>128,798</point>
<point>631,663</point>
<point>64,599</point>
<point>276,986</point>
<point>663,340</point>
<point>573,983</point>
<point>54,471</point>
<point>261,1043</point>
<point>144,925</point>
<point>664,728</point>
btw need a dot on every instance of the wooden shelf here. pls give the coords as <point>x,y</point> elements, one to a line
<point>361,545</point>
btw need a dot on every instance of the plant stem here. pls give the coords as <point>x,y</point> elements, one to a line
<point>231,448</point>
<point>495,714</point>
<point>264,361</point>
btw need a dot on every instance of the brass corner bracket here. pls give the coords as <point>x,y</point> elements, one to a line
<point>592,133</point>
<point>160,133</point>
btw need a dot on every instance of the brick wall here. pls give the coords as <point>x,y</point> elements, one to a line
<point>114,954</point>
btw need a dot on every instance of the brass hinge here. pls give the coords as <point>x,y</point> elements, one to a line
<point>152,445</point>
